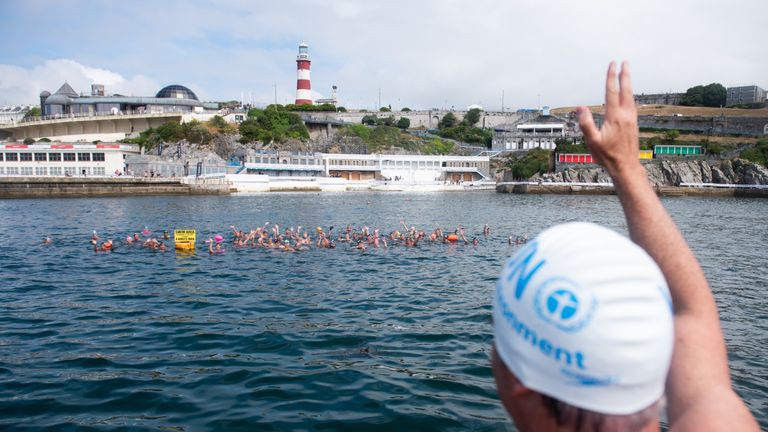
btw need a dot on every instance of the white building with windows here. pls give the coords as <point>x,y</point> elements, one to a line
<point>382,167</point>
<point>64,159</point>
<point>540,132</point>
<point>263,171</point>
<point>13,114</point>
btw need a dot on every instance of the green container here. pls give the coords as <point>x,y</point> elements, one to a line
<point>677,150</point>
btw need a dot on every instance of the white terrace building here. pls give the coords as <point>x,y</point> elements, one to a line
<point>64,159</point>
<point>540,132</point>
<point>411,169</point>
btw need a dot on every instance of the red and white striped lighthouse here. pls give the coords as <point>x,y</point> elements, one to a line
<point>303,86</point>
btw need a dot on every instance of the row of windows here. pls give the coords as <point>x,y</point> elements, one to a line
<point>273,160</point>
<point>385,163</point>
<point>52,157</point>
<point>52,171</point>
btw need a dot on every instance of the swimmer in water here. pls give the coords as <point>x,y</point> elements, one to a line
<point>486,230</point>
<point>95,238</point>
<point>105,246</point>
<point>166,236</point>
<point>47,241</point>
<point>214,250</point>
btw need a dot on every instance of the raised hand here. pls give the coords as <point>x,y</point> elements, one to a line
<point>616,144</point>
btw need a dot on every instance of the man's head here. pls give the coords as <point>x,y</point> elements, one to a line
<point>583,324</point>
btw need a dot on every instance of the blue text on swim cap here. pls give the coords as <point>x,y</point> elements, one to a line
<point>520,269</point>
<point>544,346</point>
<point>520,265</point>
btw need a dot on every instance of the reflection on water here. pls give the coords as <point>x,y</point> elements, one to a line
<point>392,339</point>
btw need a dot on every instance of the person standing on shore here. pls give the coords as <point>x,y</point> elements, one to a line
<point>593,331</point>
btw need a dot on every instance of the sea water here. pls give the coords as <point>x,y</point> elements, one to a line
<point>254,339</point>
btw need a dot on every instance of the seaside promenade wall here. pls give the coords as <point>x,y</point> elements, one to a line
<point>59,187</point>
<point>428,119</point>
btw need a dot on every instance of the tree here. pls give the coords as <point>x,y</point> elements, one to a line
<point>711,95</point>
<point>472,117</point>
<point>369,120</point>
<point>448,120</point>
<point>218,122</point>
<point>403,123</point>
<point>384,109</point>
<point>405,109</point>
<point>32,113</point>
<point>713,147</point>
<point>715,95</point>
<point>671,135</point>
<point>386,121</point>
<point>29,141</point>
<point>341,109</point>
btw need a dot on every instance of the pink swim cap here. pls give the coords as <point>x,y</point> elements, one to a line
<point>218,238</point>
<point>129,239</point>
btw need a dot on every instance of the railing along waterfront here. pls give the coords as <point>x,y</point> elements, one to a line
<point>92,115</point>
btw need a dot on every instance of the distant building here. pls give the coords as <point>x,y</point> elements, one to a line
<point>172,98</point>
<point>13,114</point>
<point>65,159</point>
<point>659,99</point>
<point>407,169</point>
<point>744,95</point>
<point>537,132</point>
<point>333,100</point>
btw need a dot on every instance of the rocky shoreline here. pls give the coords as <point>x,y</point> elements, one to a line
<point>668,172</point>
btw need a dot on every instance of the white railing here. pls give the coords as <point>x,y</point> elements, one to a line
<point>589,184</point>
<point>94,115</point>
<point>723,186</point>
<point>277,166</point>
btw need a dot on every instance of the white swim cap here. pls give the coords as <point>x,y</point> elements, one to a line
<point>583,315</point>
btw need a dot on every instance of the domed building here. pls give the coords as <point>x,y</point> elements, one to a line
<point>176,91</point>
<point>171,98</point>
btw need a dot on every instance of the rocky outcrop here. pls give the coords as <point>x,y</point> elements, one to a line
<point>673,172</point>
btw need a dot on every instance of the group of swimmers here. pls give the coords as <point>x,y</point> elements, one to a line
<point>108,245</point>
<point>270,236</point>
<point>292,240</point>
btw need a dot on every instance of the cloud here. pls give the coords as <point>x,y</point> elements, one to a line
<point>20,85</point>
<point>427,53</point>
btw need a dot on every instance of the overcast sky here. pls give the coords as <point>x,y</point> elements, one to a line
<point>420,53</point>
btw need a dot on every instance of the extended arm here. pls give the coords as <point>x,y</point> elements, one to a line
<point>699,392</point>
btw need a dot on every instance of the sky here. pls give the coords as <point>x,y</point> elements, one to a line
<point>416,53</point>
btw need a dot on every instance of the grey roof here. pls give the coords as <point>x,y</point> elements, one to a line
<point>129,100</point>
<point>539,119</point>
<point>58,99</point>
<point>66,90</point>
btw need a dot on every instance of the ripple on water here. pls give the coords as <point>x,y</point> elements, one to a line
<point>393,339</point>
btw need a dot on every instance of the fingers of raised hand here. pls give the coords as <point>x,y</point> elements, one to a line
<point>587,124</point>
<point>625,83</point>
<point>611,89</point>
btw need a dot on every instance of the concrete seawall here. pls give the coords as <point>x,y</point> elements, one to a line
<point>59,187</point>
<point>608,189</point>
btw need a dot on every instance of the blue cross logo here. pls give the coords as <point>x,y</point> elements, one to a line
<point>564,303</point>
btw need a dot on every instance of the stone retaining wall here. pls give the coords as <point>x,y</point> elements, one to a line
<point>58,187</point>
